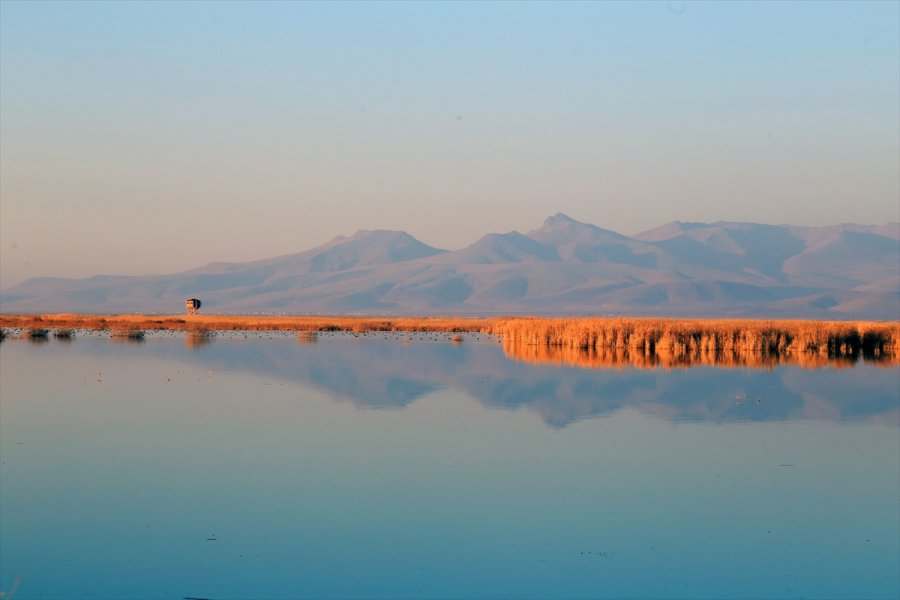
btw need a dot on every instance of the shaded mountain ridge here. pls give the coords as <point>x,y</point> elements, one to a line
<point>563,267</point>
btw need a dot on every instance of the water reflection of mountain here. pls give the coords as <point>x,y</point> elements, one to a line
<point>374,373</point>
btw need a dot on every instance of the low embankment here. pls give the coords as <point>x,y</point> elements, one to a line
<point>203,323</point>
<point>596,340</point>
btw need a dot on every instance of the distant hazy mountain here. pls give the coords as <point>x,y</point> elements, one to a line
<point>563,267</point>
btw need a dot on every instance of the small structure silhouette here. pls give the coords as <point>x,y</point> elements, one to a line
<point>192,305</point>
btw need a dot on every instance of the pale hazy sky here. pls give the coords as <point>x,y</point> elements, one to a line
<point>154,137</point>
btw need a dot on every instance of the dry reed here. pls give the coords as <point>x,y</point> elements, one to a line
<point>661,337</point>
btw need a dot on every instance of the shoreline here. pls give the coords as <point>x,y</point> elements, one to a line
<point>201,323</point>
<point>638,335</point>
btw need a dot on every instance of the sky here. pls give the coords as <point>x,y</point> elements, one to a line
<point>144,138</point>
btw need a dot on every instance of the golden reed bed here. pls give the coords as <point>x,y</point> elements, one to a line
<point>649,342</point>
<point>583,341</point>
<point>706,335</point>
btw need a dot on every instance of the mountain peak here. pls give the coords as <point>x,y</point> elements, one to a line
<point>497,248</point>
<point>669,230</point>
<point>366,247</point>
<point>557,219</point>
<point>376,233</point>
<point>561,228</point>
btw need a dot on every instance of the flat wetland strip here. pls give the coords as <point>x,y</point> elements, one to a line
<point>203,323</point>
<point>582,341</point>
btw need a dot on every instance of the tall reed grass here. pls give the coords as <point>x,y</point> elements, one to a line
<point>695,337</point>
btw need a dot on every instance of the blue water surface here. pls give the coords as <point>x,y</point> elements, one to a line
<point>259,467</point>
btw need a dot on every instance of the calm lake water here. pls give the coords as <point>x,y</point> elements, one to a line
<point>261,467</point>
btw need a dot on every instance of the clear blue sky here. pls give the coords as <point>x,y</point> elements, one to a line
<point>155,137</point>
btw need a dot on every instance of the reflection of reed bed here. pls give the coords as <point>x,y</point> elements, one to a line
<point>705,337</point>
<point>198,339</point>
<point>604,358</point>
<point>64,335</point>
<point>307,337</point>
<point>38,335</point>
<point>127,335</point>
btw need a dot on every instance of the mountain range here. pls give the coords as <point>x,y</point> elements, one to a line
<point>563,267</point>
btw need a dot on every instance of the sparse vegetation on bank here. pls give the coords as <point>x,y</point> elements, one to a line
<point>596,341</point>
<point>201,323</point>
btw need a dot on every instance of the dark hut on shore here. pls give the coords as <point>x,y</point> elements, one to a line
<point>192,305</point>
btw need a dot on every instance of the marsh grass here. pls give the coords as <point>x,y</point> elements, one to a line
<point>693,338</point>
